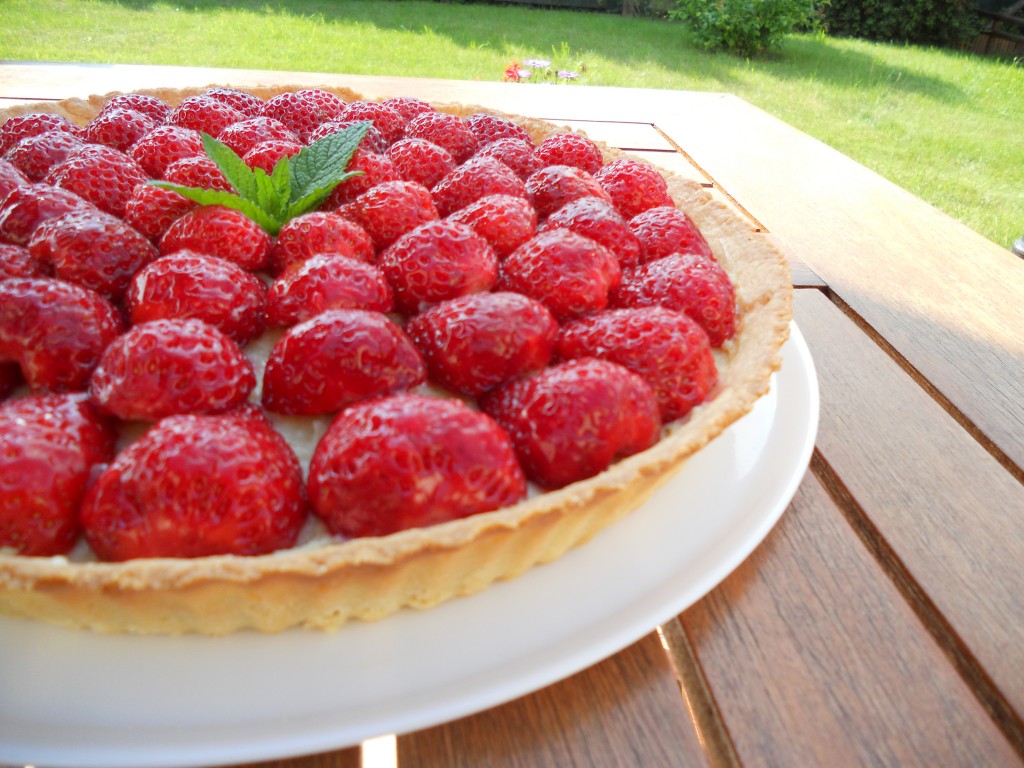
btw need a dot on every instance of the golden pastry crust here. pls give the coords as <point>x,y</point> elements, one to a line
<point>325,583</point>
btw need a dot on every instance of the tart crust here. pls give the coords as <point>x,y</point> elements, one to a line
<point>326,583</point>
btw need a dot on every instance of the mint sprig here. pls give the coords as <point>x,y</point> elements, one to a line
<point>296,184</point>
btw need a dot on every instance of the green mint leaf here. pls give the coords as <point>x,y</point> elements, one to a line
<point>316,197</point>
<point>227,199</point>
<point>273,191</point>
<point>321,165</point>
<point>239,175</point>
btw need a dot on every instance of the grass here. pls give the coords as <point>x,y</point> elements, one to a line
<point>943,124</point>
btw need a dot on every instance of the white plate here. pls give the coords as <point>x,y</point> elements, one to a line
<point>79,699</point>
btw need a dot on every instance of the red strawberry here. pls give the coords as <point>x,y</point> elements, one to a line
<point>319,232</point>
<point>219,231</point>
<point>421,161</point>
<point>410,461</point>
<point>666,229</point>
<point>55,331</point>
<point>408,106</point>
<point>476,178</point>
<point>204,114</point>
<point>488,128</point>
<point>246,134</point>
<point>199,171</point>
<point>633,186</point>
<point>555,185</point>
<point>152,210</point>
<point>519,155</point>
<point>474,343</point>
<point>571,421</point>
<point>28,206</point>
<point>186,489</point>
<point>102,175</point>
<point>155,108</point>
<point>34,156</point>
<point>48,447</point>
<point>385,119</point>
<point>300,112</point>
<point>505,221</point>
<point>164,145</point>
<point>337,358</point>
<point>374,168</point>
<point>569,274</point>
<point>571,149</point>
<point>389,210</point>
<point>668,349</point>
<point>165,367</point>
<point>247,103</point>
<point>372,142</point>
<point>330,105</point>
<point>16,128</point>
<point>10,178</point>
<point>192,285</point>
<point>449,131</point>
<point>437,261</point>
<point>118,128</point>
<point>326,281</point>
<point>599,220</point>
<point>689,283</point>
<point>267,154</point>
<point>93,249</point>
<point>16,261</point>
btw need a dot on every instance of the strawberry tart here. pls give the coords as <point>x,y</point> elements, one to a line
<point>291,357</point>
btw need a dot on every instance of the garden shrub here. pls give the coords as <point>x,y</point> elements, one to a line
<point>744,27</point>
<point>927,22</point>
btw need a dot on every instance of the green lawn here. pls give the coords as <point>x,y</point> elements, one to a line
<point>943,124</point>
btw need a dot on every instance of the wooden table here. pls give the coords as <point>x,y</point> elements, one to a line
<point>882,620</point>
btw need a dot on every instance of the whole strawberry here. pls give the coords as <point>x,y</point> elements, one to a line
<point>152,106</point>
<point>249,104</point>
<point>599,220</point>
<point>664,230</point>
<point>633,186</point>
<point>449,131</point>
<point>246,134</point>
<point>518,154</point>
<point>164,145</point>
<point>118,127</point>
<point>474,343</point>
<point>571,421</point>
<point>36,155</point>
<point>326,281</point>
<point>389,122</point>
<point>172,366</point>
<point>421,161</point>
<point>487,128</point>
<point>54,331</point>
<point>437,261</point>
<point>205,114</point>
<point>16,128</point>
<point>568,273</point>
<point>267,154</point>
<point>390,209</point>
<point>186,489</point>
<point>28,206</point>
<point>16,261</point>
<point>555,185</point>
<point>410,461</point>
<point>571,149</point>
<point>219,231</point>
<point>151,210</point>
<point>408,106</point>
<point>375,168</point>
<point>476,178</point>
<point>318,232</point>
<point>194,285</point>
<point>337,358</point>
<point>49,445</point>
<point>504,221</point>
<point>104,176</point>
<point>666,348</point>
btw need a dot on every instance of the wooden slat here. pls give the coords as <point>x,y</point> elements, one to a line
<point>950,301</point>
<point>624,135</point>
<point>814,660</point>
<point>626,711</point>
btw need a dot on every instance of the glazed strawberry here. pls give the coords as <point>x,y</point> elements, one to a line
<point>666,348</point>
<point>299,111</point>
<point>389,210</point>
<point>374,168</point>
<point>199,171</point>
<point>154,107</point>
<point>337,358</point>
<point>34,156</point>
<point>118,128</point>
<point>16,261</point>
<point>204,114</point>
<point>104,176</point>
<point>633,186</point>
<point>246,134</point>
<point>410,461</point>
<point>488,128</point>
<point>18,127</point>
<point>385,119</point>
<point>152,210</point>
<point>92,249</point>
<point>319,232</point>
<point>165,367</point>
<point>504,221</point>
<point>555,185</point>
<point>373,141</point>
<point>599,220</point>
<point>250,105</point>
<point>55,331</point>
<point>571,149</point>
<point>219,231</point>
<point>449,131</point>
<point>28,206</point>
<point>421,161</point>
<point>267,154</point>
<point>330,105</point>
<point>49,445</point>
<point>437,261</point>
<point>571,421</point>
<point>569,274</point>
<point>193,285</point>
<point>474,343</point>
<point>326,281</point>
<point>10,178</point>
<point>408,106</point>
<point>666,229</point>
<point>519,155</point>
<point>164,145</point>
<point>186,489</point>
<point>476,178</point>
<point>689,283</point>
